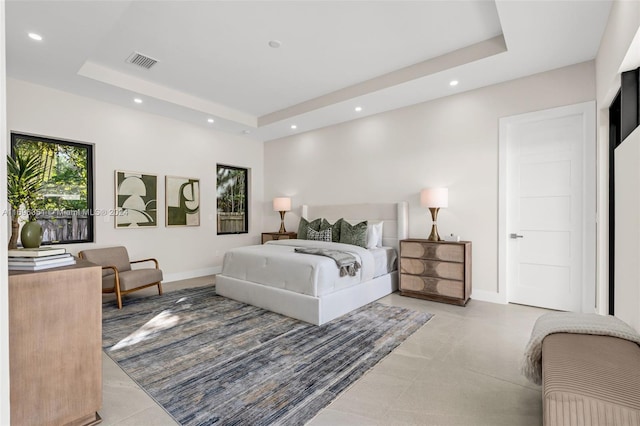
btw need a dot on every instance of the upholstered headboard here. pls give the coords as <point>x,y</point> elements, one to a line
<point>395,217</point>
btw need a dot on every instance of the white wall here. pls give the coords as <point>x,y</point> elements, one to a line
<point>130,139</point>
<point>4,288</point>
<point>627,219</point>
<point>623,23</point>
<point>622,26</point>
<point>390,157</point>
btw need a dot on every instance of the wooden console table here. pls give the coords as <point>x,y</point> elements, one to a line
<point>55,345</point>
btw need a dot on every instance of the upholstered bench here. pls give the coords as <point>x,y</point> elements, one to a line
<point>590,380</point>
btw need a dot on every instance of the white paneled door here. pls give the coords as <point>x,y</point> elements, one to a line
<point>545,241</point>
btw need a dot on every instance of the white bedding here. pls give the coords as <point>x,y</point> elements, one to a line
<point>276,264</point>
<point>385,259</point>
<point>312,290</point>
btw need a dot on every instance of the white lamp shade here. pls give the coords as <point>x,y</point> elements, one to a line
<point>282,204</point>
<point>434,197</point>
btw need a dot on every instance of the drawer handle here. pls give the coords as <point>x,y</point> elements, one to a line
<point>514,236</point>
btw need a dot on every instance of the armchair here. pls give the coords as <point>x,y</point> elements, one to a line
<point>117,275</point>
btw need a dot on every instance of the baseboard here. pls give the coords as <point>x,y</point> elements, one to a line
<point>488,296</point>
<point>191,274</point>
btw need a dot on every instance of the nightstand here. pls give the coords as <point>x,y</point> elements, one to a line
<point>268,236</point>
<point>436,270</point>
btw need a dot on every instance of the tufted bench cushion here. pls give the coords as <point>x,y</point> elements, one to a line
<point>590,380</point>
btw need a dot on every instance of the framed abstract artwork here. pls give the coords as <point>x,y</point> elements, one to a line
<point>136,200</point>
<point>233,199</point>
<point>182,201</point>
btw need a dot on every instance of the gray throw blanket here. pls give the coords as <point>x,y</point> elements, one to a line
<point>569,322</point>
<point>347,262</point>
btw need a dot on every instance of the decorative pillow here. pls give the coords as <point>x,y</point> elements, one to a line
<point>354,234</point>
<point>335,229</point>
<point>324,235</point>
<point>304,224</point>
<point>374,235</point>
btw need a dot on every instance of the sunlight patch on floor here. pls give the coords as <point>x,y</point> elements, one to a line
<point>163,321</point>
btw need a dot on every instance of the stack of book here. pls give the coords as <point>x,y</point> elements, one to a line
<point>36,259</point>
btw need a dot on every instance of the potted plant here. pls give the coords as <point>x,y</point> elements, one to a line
<point>24,179</point>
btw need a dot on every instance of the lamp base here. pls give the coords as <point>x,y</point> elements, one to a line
<point>282,229</point>
<point>434,234</point>
<point>434,228</point>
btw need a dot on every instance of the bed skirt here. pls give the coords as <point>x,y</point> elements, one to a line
<point>314,310</point>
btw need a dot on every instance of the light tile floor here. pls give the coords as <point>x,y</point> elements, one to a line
<point>461,368</point>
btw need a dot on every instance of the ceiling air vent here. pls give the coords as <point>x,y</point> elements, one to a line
<point>141,60</point>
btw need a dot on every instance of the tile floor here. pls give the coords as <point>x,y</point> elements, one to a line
<point>461,368</point>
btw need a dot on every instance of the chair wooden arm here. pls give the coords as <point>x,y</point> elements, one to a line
<point>116,284</point>
<point>146,260</point>
<point>115,270</point>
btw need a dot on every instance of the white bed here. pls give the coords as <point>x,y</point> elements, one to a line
<point>309,287</point>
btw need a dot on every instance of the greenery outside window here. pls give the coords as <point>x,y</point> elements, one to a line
<point>233,200</point>
<point>65,206</point>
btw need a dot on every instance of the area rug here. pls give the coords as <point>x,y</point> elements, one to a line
<point>211,360</point>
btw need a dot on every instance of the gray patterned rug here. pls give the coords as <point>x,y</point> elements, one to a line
<point>211,360</point>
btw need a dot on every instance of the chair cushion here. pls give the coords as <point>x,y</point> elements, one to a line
<point>137,278</point>
<point>110,256</point>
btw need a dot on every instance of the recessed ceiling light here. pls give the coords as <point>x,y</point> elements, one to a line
<point>275,43</point>
<point>35,36</point>
<point>137,100</point>
<point>453,83</point>
<point>293,126</point>
<point>358,109</point>
<point>210,120</point>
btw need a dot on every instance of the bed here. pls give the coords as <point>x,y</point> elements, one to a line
<point>309,287</point>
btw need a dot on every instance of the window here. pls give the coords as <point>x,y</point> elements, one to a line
<point>233,201</point>
<point>65,207</point>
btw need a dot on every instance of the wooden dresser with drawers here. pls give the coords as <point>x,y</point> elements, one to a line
<point>436,270</point>
<point>269,236</point>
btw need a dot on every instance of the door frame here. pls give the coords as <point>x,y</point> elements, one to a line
<point>588,111</point>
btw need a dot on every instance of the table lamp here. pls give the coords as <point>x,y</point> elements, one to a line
<point>282,205</point>
<point>434,199</point>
